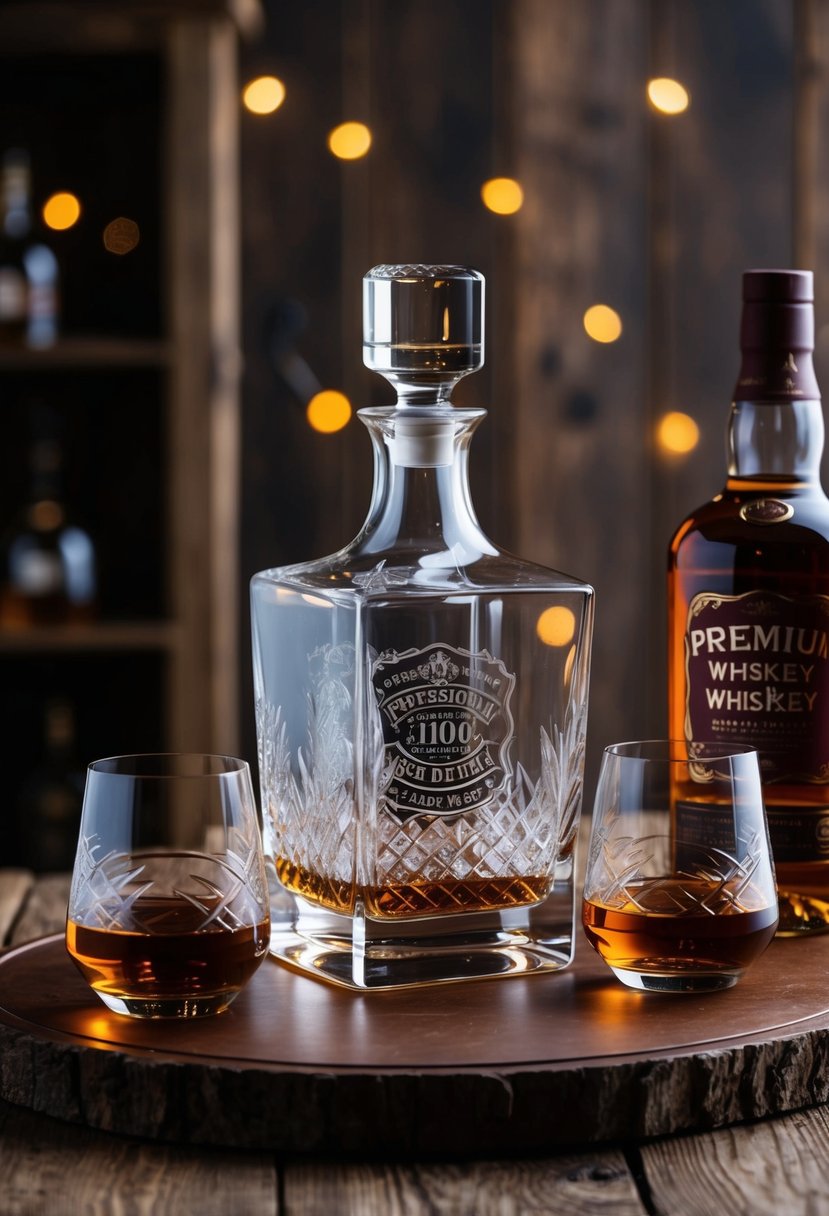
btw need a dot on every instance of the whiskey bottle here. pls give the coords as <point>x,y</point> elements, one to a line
<point>421,697</point>
<point>28,267</point>
<point>50,799</point>
<point>47,561</point>
<point>748,593</point>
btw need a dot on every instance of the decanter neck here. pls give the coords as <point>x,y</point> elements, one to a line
<point>421,503</point>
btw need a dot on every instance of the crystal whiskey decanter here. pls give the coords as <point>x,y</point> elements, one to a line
<point>421,698</point>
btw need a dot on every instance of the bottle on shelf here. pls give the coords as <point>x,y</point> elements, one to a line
<point>28,267</point>
<point>421,697</point>
<point>50,798</point>
<point>47,561</point>
<point>748,594</point>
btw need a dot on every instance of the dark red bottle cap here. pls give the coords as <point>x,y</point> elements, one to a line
<point>784,286</point>
<point>777,337</point>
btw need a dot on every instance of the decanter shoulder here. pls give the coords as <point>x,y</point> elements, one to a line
<point>442,573</point>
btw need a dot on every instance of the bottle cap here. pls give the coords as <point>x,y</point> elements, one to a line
<point>423,325</point>
<point>777,336</point>
<point>783,286</point>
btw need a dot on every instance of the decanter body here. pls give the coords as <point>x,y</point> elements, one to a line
<point>421,698</point>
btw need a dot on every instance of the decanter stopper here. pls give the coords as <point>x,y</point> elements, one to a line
<point>423,328</point>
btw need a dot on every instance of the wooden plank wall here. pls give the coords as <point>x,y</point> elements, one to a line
<point>811,236</point>
<point>203,423</point>
<point>653,215</point>
<point>580,471</point>
<point>656,216</point>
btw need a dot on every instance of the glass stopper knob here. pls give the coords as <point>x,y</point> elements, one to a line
<point>423,326</point>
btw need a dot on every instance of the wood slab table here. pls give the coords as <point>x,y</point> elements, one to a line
<point>505,1131</point>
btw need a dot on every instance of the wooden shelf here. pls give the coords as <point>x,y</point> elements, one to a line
<point>182,389</point>
<point>89,353</point>
<point>100,636</point>
<point>44,26</point>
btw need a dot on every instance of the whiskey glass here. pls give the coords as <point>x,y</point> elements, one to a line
<point>679,892</point>
<point>168,910</point>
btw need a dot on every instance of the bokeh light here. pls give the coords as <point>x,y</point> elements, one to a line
<point>263,95</point>
<point>61,211</point>
<point>350,140</point>
<point>668,96</point>
<point>121,235</point>
<point>328,411</point>
<point>503,195</point>
<point>677,433</point>
<point>602,324</point>
<point>556,626</point>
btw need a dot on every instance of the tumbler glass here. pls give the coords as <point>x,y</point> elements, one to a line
<point>679,891</point>
<point>168,911</point>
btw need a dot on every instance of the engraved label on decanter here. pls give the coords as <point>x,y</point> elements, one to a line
<point>447,728</point>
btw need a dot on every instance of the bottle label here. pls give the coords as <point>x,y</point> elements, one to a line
<point>716,837</point>
<point>757,673</point>
<point>797,833</point>
<point>39,572</point>
<point>447,727</point>
<point>12,295</point>
<point>700,826</point>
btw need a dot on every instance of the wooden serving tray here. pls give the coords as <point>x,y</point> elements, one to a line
<point>492,1067</point>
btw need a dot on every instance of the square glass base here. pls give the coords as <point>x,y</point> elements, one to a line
<point>361,953</point>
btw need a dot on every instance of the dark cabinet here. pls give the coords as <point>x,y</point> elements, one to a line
<point>135,110</point>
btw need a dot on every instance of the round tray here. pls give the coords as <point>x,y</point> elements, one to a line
<point>501,1066</point>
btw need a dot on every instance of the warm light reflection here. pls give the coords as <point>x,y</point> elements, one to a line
<point>613,1005</point>
<point>677,433</point>
<point>328,411</point>
<point>569,665</point>
<point>46,515</point>
<point>121,235</point>
<point>556,626</point>
<point>97,1026</point>
<point>602,324</point>
<point>668,96</point>
<point>61,211</point>
<point>350,140</point>
<point>503,195</point>
<point>263,95</point>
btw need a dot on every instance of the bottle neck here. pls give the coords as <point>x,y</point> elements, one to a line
<point>421,508</point>
<point>775,431</point>
<point>776,441</point>
<point>59,731</point>
<point>17,219</point>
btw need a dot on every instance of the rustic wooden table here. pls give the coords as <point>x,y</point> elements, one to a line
<point>767,1168</point>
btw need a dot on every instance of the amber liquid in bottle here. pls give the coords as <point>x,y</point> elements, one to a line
<point>48,568</point>
<point>748,595</point>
